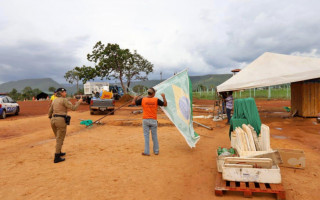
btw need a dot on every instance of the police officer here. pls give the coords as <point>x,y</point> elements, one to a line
<point>58,114</point>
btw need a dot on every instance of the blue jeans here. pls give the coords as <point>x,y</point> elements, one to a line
<point>150,124</point>
<point>229,114</point>
<point>223,107</point>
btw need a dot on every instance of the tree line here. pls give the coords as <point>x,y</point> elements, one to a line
<point>111,62</point>
<point>27,93</point>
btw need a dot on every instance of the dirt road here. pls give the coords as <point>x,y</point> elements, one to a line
<point>105,162</point>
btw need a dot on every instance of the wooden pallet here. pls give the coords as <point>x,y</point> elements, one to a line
<point>248,187</point>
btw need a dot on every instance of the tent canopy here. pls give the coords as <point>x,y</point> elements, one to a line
<point>273,69</point>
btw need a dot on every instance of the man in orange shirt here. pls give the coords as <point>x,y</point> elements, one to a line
<point>150,107</point>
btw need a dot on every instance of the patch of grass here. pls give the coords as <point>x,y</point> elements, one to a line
<point>276,93</point>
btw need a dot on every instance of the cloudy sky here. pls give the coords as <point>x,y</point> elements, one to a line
<point>46,38</point>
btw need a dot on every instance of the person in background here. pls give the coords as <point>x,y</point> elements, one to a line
<point>229,105</point>
<point>150,107</point>
<point>223,98</point>
<point>53,97</point>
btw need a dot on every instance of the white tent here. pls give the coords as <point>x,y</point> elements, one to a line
<point>273,69</point>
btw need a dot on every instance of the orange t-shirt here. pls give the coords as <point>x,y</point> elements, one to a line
<point>150,107</point>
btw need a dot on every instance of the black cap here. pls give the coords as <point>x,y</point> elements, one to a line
<point>61,90</point>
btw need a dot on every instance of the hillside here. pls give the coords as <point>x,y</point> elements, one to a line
<point>43,84</point>
<point>206,80</point>
<point>71,89</point>
<point>211,80</point>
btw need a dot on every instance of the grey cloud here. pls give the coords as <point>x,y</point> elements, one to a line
<point>206,36</point>
<point>38,59</point>
<point>256,27</point>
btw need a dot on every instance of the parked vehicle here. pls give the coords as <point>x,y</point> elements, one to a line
<point>8,107</point>
<point>102,105</point>
<point>94,89</point>
<point>117,91</point>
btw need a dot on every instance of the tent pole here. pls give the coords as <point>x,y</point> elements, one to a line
<point>269,92</point>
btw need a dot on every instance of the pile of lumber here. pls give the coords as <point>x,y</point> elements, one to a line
<point>239,162</point>
<point>257,161</point>
<point>246,139</point>
<point>260,170</point>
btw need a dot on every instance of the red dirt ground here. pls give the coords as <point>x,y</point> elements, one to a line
<point>105,162</point>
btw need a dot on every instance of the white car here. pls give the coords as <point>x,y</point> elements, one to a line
<point>8,106</point>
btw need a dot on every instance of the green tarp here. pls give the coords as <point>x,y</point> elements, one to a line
<point>86,122</point>
<point>245,112</point>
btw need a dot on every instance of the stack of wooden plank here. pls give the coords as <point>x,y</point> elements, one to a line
<point>248,162</point>
<point>261,170</point>
<point>246,140</point>
<point>257,161</point>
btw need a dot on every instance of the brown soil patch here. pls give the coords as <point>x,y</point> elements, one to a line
<point>105,162</point>
<point>36,108</point>
<point>125,98</point>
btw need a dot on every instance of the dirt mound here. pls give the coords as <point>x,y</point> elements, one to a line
<point>125,98</point>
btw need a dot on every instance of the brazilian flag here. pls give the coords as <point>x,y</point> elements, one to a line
<point>178,91</point>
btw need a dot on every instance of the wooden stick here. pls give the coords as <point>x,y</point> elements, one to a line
<point>207,127</point>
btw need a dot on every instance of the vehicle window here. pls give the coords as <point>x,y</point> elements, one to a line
<point>5,100</point>
<point>10,100</point>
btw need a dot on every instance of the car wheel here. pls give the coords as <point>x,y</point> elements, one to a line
<point>17,111</point>
<point>3,115</point>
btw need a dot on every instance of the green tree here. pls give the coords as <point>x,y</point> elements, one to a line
<point>86,73</point>
<point>201,87</point>
<point>27,92</point>
<point>14,94</point>
<point>35,92</point>
<point>73,76</point>
<point>212,87</point>
<point>139,88</point>
<point>113,62</point>
<point>14,91</point>
<point>52,89</point>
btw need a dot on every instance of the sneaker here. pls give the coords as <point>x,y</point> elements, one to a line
<point>144,154</point>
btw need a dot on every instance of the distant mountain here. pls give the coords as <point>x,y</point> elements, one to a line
<point>210,80</point>
<point>43,84</point>
<point>147,83</point>
<point>71,88</point>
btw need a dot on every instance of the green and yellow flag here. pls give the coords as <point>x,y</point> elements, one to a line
<point>178,91</point>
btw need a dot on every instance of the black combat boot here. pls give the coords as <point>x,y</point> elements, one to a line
<point>62,153</point>
<point>57,158</point>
